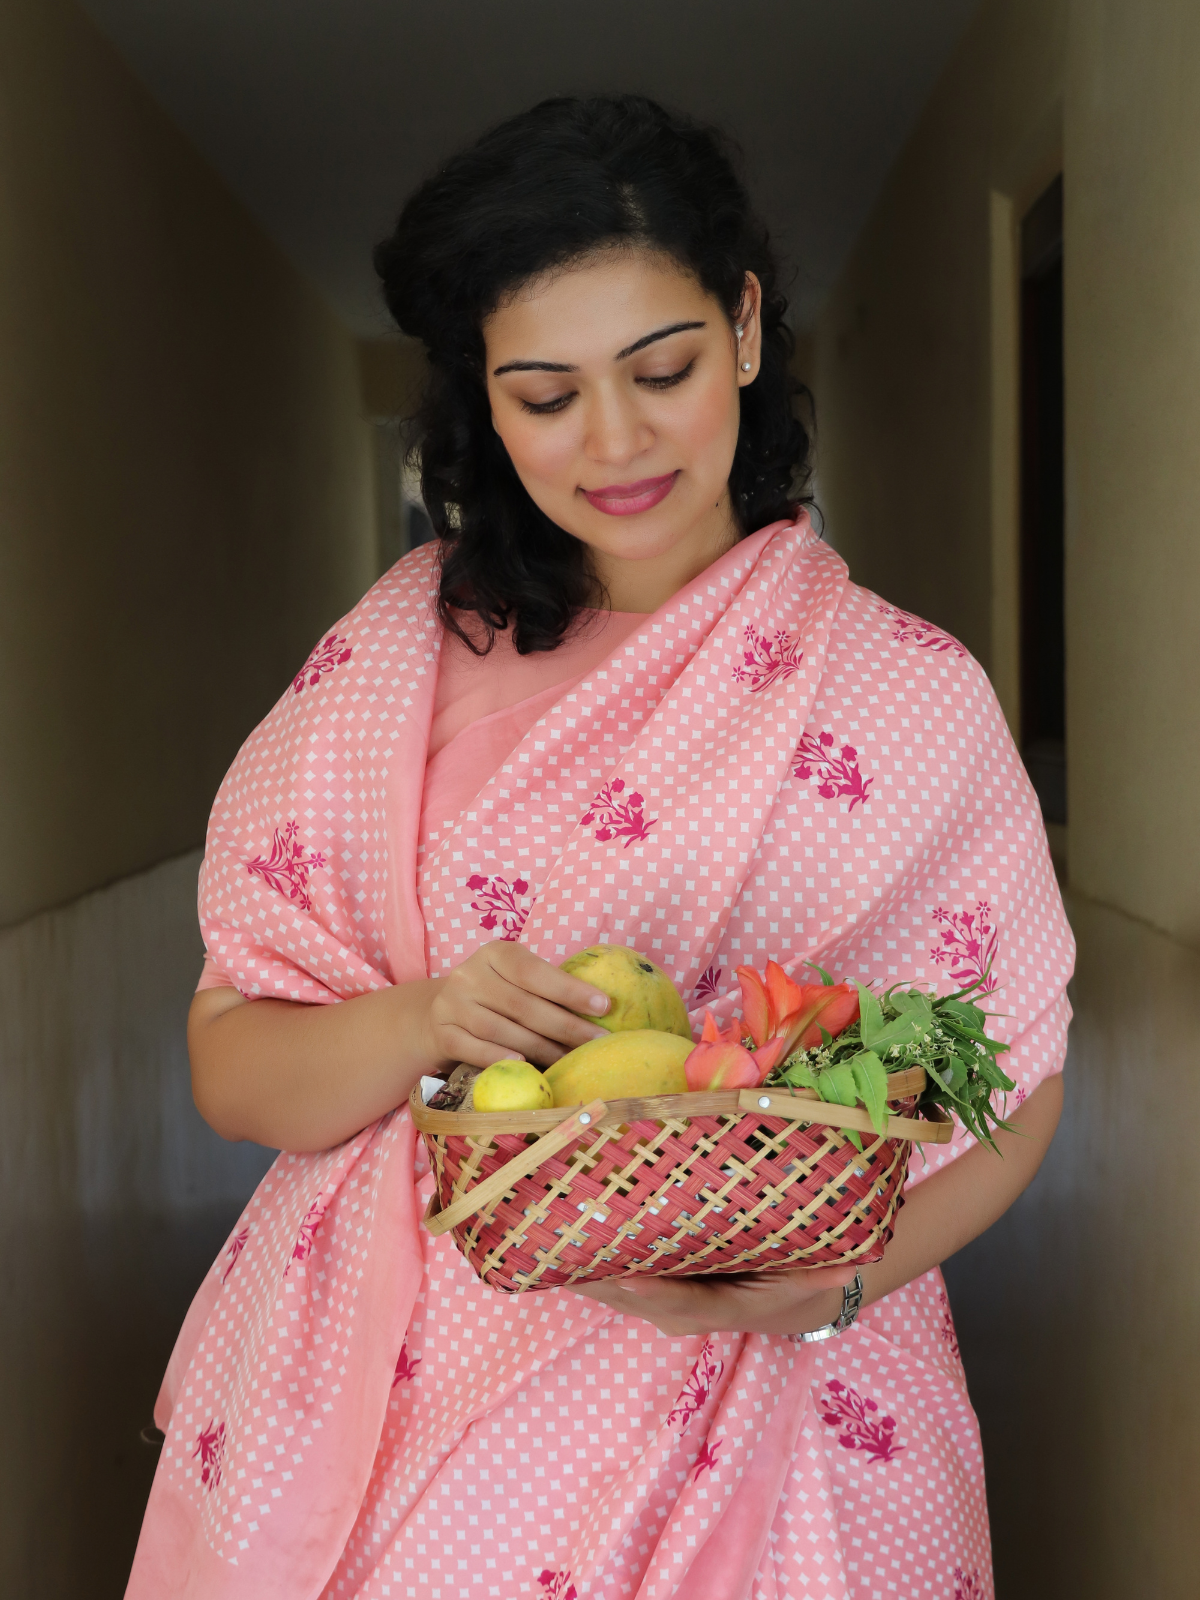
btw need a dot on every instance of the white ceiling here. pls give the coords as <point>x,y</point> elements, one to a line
<point>323,114</point>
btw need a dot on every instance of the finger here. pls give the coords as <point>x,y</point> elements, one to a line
<point>717,1305</point>
<point>458,1046</point>
<point>539,1016</point>
<point>521,967</point>
<point>491,1029</point>
<point>610,1294</point>
<point>656,1298</point>
<point>817,1280</point>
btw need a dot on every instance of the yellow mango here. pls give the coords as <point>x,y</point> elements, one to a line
<point>511,1086</point>
<point>642,994</point>
<point>641,1061</point>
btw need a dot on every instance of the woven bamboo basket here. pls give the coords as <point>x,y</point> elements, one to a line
<point>672,1185</point>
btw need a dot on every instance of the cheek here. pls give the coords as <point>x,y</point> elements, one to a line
<point>540,453</point>
<point>707,427</point>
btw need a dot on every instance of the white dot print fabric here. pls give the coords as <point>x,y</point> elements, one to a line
<point>776,764</point>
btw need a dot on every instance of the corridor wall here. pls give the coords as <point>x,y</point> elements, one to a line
<point>186,502</point>
<point>1077,1314</point>
<point>185,486</point>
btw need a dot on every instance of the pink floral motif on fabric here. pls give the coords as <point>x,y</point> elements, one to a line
<point>767,658</point>
<point>838,775</point>
<point>969,946</point>
<point>863,1426</point>
<point>556,1585</point>
<point>236,1245</point>
<point>912,630</point>
<point>332,651</point>
<point>499,903</point>
<point>706,1369</point>
<point>287,868</point>
<point>968,1585</point>
<point>210,1449</point>
<point>707,1459</point>
<point>617,818</point>
<point>706,985</point>
<point>406,1366</point>
<point>307,1236</point>
<point>946,1326</point>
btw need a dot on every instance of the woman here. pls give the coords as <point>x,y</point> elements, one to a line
<point>634,698</point>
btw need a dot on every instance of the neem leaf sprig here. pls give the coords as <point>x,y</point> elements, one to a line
<point>900,1029</point>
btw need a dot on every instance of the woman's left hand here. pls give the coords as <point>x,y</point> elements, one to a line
<point>795,1300</point>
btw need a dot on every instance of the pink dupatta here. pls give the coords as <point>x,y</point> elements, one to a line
<point>696,795</point>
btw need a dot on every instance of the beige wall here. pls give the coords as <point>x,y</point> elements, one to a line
<point>1132,267</point>
<point>903,348</point>
<point>1077,1313</point>
<point>185,480</point>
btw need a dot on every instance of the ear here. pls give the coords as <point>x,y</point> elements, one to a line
<point>749,319</point>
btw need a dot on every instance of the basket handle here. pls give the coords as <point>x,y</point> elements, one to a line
<point>529,1160</point>
<point>920,1131</point>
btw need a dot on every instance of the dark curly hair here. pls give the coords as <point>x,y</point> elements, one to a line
<point>568,178</point>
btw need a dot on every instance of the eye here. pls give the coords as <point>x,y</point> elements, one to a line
<point>671,379</point>
<point>546,408</point>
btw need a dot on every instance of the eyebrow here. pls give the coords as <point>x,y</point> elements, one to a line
<point>629,350</point>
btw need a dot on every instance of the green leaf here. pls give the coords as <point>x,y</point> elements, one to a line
<point>870,1017</point>
<point>800,1075</point>
<point>870,1079</point>
<point>911,1000</point>
<point>961,1012</point>
<point>837,1087</point>
<point>955,1074</point>
<point>994,1077</point>
<point>905,1030</point>
<point>825,978</point>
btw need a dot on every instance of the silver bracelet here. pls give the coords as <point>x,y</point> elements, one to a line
<point>851,1305</point>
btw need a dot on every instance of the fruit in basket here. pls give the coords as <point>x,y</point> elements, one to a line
<point>640,1061</point>
<point>512,1086</point>
<point>642,995</point>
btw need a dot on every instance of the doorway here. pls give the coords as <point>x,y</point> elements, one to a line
<point>1042,627</point>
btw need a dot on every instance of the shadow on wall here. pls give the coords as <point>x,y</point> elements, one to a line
<point>1067,1320</point>
<point>118,1198</point>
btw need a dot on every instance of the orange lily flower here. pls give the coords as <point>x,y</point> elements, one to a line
<point>782,1016</point>
<point>719,1061</point>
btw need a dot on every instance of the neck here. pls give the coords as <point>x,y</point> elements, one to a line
<point>645,584</point>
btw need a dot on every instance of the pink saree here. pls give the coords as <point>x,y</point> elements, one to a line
<point>774,764</point>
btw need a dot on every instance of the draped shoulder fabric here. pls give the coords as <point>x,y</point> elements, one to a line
<point>775,764</point>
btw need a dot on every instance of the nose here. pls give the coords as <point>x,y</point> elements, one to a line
<point>616,432</point>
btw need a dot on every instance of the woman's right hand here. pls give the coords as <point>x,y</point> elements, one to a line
<point>504,1002</point>
<point>304,1077</point>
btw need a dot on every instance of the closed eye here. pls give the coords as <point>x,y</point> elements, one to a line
<point>546,407</point>
<point>671,379</point>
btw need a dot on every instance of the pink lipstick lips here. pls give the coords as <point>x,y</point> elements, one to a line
<point>624,499</point>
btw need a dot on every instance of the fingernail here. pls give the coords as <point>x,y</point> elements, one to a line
<point>599,1004</point>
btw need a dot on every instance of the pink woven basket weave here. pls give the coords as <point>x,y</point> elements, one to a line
<point>674,1185</point>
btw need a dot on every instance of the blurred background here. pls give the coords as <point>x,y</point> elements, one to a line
<point>993,212</point>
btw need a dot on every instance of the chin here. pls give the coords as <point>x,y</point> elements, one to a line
<point>646,536</point>
<point>633,543</point>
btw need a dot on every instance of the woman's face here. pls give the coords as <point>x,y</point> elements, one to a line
<point>614,387</point>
